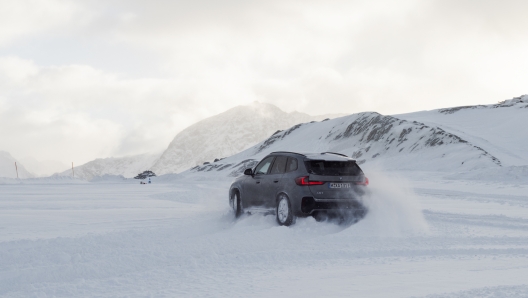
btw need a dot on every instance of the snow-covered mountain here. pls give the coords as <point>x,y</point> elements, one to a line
<point>7,167</point>
<point>128,166</point>
<point>213,138</point>
<point>460,138</point>
<point>226,134</point>
<point>502,129</point>
<point>479,137</point>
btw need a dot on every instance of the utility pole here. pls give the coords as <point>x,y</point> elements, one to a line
<point>73,173</point>
<point>16,167</point>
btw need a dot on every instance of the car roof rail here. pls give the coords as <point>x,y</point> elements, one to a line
<point>288,152</point>
<point>340,154</point>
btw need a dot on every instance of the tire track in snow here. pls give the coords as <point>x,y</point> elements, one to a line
<point>487,292</point>
<point>495,221</point>
<point>513,200</point>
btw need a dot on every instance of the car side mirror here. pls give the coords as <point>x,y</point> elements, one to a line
<point>248,172</point>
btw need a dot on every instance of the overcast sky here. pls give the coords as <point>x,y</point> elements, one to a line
<point>87,79</point>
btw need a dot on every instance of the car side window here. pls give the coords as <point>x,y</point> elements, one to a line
<point>291,165</point>
<point>279,166</point>
<point>263,167</point>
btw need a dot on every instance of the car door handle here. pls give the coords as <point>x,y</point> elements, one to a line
<point>275,181</point>
<point>258,182</point>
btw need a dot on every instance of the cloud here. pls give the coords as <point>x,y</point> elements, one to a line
<point>78,113</point>
<point>127,75</point>
<point>391,56</point>
<point>25,18</point>
<point>46,133</point>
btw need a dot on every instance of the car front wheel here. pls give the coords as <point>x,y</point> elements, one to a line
<point>284,212</point>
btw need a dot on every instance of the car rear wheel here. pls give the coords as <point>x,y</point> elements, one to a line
<point>236,204</point>
<point>284,212</point>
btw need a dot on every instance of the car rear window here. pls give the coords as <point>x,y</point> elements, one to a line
<point>332,168</point>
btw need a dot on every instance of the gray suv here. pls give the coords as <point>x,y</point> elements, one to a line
<point>299,185</point>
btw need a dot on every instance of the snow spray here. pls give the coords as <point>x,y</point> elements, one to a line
<point>393,208</point>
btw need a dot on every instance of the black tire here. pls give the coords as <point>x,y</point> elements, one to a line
<point>236,204</point>
<point>284,211</point>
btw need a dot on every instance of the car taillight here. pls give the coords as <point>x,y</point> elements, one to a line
<point>303,181</point>
<point>364,182</point>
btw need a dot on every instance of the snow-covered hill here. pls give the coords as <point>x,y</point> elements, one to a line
<point>226,134</point>
<point>502,129</point>
<point>486,136</point>
<point>128,166</point>
<point>453,139</point>
<point>7,167</point>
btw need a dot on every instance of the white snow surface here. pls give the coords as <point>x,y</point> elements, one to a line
<point>513,174</point>
<point>424,236</point>
<point>55,179</point>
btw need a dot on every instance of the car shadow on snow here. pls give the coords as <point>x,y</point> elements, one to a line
<point>267,219</point>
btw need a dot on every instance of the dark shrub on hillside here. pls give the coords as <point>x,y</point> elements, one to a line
<point>145,174</point>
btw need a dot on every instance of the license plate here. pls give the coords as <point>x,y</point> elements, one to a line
<point>339,185</point>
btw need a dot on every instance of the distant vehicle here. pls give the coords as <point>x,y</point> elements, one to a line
<point>300,185</point>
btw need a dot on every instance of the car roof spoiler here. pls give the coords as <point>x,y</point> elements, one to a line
<point>340,154</point>
<point>303,154</point>
<point>306,154</point>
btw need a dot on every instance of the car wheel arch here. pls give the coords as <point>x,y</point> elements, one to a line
<point>277,197</point>
<point>234,190</point>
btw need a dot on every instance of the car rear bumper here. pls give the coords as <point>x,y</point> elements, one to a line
<point>310,204</point>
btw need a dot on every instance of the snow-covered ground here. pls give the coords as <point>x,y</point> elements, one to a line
<point>426,235</point>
